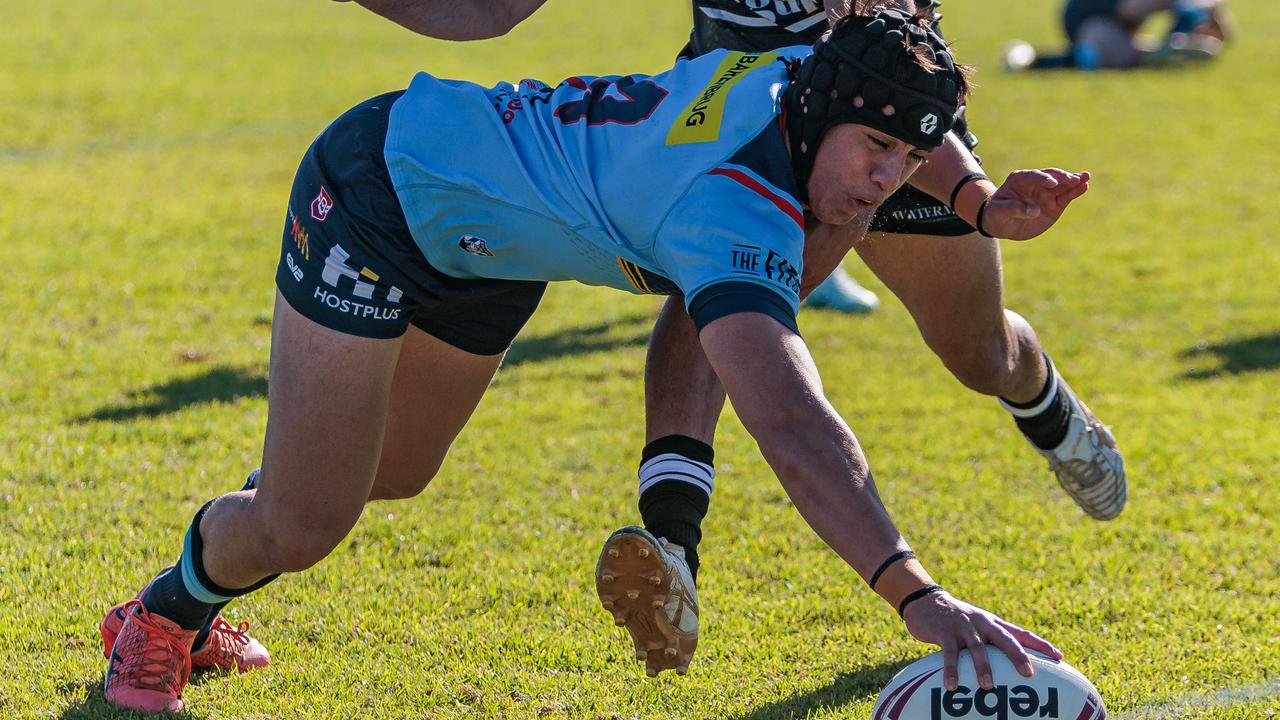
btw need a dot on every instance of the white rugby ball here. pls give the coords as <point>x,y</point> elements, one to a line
<point>1057,691</point>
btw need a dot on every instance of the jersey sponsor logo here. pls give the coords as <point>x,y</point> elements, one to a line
<point>336,270</point>
<point>781,271</point>
<point>475,246</point>
<point>701,120</point>
<point>321,206</point>
<point>745,259</point>
<point>928,124</point>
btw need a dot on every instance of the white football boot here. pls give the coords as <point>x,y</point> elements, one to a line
<point>645,583</point>
<point>1088,462</point>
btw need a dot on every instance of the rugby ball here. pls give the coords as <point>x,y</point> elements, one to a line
<point>1057,691</point>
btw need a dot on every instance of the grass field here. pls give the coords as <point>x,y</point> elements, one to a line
<point>146,151</point>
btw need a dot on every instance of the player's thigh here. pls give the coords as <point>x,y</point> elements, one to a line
<point>433,394</point>
<point>952,286</point>
<point>327,406</point>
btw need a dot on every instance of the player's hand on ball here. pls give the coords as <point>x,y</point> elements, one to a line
<point>954,625</point>
<point>1031,201</point>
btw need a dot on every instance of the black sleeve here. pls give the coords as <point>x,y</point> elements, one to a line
<point>737,296</point>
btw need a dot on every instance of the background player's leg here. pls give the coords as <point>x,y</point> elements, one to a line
<point>424,414</point>
<point>683,400</point>
<point>953,287</point>
<point>1105,43</point>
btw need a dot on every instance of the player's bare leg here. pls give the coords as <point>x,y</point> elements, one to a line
<point>424,415</point>
<point>328,406</point>
<point>953,288</point>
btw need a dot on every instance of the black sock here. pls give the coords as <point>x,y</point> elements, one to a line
<point>185,594</point>
<point>1045,419</point>
<point>169,595</point>
<point>676,479</point>
<point>250,483</point>
<point>1053,62</point>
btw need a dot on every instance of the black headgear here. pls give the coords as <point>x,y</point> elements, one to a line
<point>862,72</point>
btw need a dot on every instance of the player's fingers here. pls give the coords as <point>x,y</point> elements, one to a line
<point>981,663</point>
<point>950,658</point>
<point>1031,641</point>
<point>1001,638</point>
<point>1061,176</point>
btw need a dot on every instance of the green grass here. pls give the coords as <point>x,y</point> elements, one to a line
<point>146,151</point>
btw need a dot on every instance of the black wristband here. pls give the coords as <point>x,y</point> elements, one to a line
<point>885,565</point>
<point>927,590</point>
<point>982,211</point>
<point>964,181</point>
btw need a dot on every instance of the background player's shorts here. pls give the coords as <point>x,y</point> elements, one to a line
<point>1077,12</point>
<point>349,261</point>
<point>914,212</point>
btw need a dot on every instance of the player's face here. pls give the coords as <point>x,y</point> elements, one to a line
<point>856,169</point>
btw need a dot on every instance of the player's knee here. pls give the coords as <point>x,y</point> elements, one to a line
<point>982,365</point>
<point>403,485</point>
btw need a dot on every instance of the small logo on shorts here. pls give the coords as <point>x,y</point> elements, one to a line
<point>928,124</point>
<point>475,246</point>
<point>321,206</point>
<point>293,267</point>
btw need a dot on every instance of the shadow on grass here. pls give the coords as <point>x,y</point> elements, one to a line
<point>842,690</point>
<point>86,703</point>
<point>219,384</point>
<point>1259,353</point>
<point>627,331</point>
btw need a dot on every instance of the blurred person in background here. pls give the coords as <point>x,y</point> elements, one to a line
<point>1105,34</point>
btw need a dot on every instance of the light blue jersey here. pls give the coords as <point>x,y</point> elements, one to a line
<point>673,183</point>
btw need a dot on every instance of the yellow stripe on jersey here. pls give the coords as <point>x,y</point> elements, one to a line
<point>700,122</point>
<point>633,274</point>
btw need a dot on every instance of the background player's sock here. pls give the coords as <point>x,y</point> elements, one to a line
<point>1053,62</point>
<point>185,594</point>
<point>677,476</point>
<point>1045,419</point>
<point>1189,15</point>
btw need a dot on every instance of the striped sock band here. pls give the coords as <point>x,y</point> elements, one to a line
<point>1046,419</point>
<point>676,480</point>
<point>679,459</point>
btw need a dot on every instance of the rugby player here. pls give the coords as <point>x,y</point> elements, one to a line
<point>409,261</point>
<point>1104,34</point>
<point>923,245</point>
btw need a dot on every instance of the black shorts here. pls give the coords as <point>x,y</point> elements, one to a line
<point>349,261</point>
<point>914,212</point>
<point>1077,12</point>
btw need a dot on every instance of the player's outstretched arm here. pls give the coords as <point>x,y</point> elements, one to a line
<point>455,19</point>
<point>1027,204</point>
<point>774,386</point>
